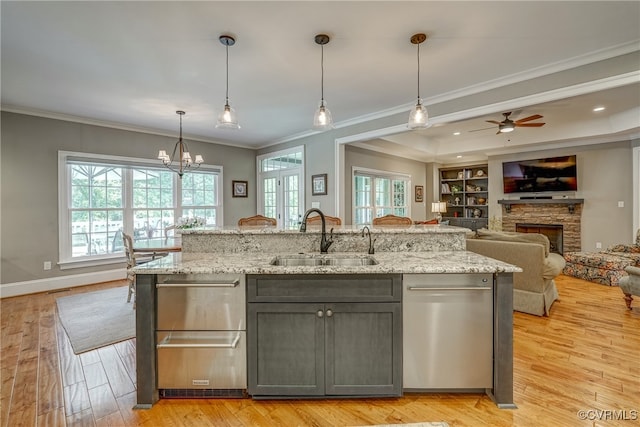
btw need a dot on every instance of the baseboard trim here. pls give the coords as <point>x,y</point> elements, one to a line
<point>42,285</point>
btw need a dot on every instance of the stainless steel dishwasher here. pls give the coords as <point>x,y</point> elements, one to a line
<point>201,334</point>
<point>448,331</point>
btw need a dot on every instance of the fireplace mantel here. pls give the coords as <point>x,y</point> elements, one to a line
<point>571,203</point>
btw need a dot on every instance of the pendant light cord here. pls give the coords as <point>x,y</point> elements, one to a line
<point>322,73</point>
<point>227,93</point>
<point>418,71</point>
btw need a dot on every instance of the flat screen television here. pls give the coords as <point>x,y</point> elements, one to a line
<point>540,175</point>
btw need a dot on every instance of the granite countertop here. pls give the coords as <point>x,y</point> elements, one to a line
<point>316,228</point>
<point>388,262</point>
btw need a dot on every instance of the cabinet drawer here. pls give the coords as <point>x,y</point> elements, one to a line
<point>324,288</point>
<point>202,360</point>
<point>201,302</point>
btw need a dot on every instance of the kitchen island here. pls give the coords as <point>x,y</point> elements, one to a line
<point>250,258</point>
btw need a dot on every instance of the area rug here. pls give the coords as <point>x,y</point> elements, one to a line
<point>96,319</point>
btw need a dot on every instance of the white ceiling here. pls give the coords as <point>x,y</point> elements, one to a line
<point>133,64</point>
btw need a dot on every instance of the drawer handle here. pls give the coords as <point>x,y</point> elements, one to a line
<point>451,288</point>
<point>224,284</point>
<point>166,344</point>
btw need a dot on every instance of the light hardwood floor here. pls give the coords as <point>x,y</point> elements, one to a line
<point>585,356</point>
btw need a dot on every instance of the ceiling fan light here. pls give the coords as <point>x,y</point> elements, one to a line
<point>507,127</point>
<point>322,119</point>
<point>418,117</point>
<point>228,118</point>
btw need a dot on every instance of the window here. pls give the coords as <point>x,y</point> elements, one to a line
<point>378,193</point>
<point>105,196</point>
<point>280,186</point>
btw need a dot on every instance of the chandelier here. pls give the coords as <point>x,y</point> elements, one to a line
<point>183,162</point>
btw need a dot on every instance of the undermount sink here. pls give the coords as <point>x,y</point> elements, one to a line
<point>314,261</point>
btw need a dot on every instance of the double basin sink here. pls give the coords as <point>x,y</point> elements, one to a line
<point>305,260</point>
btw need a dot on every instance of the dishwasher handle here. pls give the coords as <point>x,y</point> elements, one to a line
<point>166,343</point>
<point>450,288</point>
<point>211,284</point>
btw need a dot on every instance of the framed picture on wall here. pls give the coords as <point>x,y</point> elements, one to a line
<point>239,188</point>
<point>419,197</point>
<point>319,184</point>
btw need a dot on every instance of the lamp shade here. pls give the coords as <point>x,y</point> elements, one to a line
<point>438,207</point>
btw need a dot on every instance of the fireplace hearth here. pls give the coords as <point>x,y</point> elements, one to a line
<point>554,233</point>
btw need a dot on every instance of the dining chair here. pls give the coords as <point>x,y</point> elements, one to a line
<point>169,232</point>
<point>328,220</point>
<point>132,261</point>
<point>389,220</point>
<point>257,220</point>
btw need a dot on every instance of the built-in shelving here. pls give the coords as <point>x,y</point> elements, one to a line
<point>466,192</point>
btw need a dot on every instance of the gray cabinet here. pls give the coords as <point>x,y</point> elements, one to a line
<point>324,347</point>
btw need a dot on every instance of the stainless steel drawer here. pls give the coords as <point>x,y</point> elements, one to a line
<point>208,303</point>
<point>202,360</point>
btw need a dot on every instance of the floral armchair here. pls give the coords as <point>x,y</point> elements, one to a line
<point>630,285</point>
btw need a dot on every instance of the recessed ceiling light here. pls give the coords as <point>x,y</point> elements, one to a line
<point>596,109</point>
<point>458,156</point>
<point>456,133</point>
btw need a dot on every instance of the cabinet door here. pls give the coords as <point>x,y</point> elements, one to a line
<point>285,349</point>
<point>363,349</point>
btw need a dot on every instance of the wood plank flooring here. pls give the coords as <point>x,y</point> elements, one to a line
<point>585,356</point>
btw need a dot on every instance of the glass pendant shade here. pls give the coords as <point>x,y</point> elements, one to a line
<point>418,117</point>
<point>322,119</point>
<point>227,118</point>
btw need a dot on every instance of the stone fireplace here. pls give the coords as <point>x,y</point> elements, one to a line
<point>565,213</point>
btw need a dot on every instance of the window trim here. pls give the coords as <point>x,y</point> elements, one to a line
<point>377,173</point>
<point>64,196</point>
<point>260,175</point>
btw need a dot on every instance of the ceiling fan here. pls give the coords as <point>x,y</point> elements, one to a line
<point>508,125</point>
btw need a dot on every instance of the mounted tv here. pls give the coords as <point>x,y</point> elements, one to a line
<point>540,175</point>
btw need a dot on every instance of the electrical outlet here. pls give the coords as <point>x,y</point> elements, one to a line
<point>598,245</point>
<point>47,265</point>
<point>621,204</point>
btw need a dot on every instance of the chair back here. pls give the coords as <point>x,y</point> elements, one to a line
<point>128,250</point>
<point>169,232</point>
<point>329,220</point>
<point>393,220</point>
<point>257,220</point>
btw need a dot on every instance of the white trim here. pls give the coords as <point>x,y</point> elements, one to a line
<point>62,282</point>
<point>565,92</point>
<point>636,192</point>
<point>113,125</point>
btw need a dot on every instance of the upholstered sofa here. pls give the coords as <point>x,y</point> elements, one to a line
<point>630,285</point>
<point>605,267</point>
<point>534,290</point>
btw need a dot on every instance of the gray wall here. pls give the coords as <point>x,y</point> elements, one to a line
<point>29,180</point>
<point>604,178</point>
<point>359,157</point>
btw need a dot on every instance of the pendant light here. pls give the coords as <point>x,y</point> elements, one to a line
<point>418,117</point>
<point>322,119</point>
<point>227,119</point>
<point>184,161</point>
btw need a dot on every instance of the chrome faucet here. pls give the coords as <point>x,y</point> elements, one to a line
<point>324,243</point>
<point>371,250</point>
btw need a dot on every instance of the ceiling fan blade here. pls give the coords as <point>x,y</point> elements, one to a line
<point>493,121</point>
<point>529,125</point>
<point>527,119</point>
